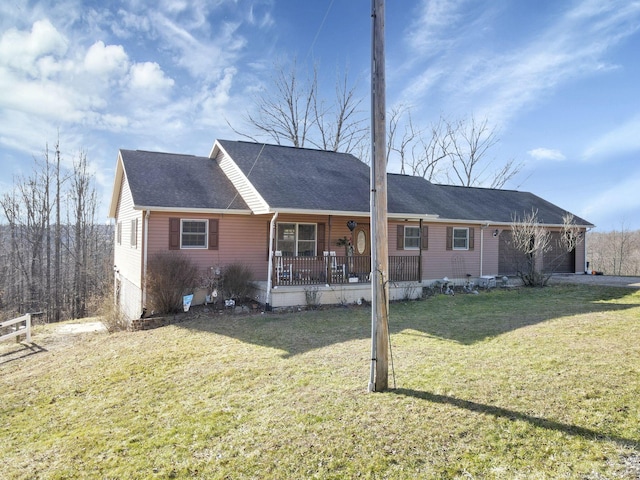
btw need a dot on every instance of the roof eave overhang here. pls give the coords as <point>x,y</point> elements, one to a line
<point>352,213</point>
<point>117,187</point>
<point>217,211</point>
<point>494,223</point>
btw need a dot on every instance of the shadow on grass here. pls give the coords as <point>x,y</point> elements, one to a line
<point>499,412</point>
<point>464,319</point>
<point>26,350</point>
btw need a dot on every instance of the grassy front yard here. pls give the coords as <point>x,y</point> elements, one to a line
<point>508,384</point>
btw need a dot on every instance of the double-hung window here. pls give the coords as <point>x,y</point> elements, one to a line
<point>190,233</point>
<point>411,238</point>
<point>194,234</point>
<point>134,233</point>
<point>461,239</point>
<point>297,239</point>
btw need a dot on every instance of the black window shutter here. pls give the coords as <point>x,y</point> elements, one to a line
<point>213,233</point>
<point>320,240</point>
<point>424,238</point>
<point>449,238</point>
<point>400,239</point>
<point>471,238</point>
<point>174,234</point>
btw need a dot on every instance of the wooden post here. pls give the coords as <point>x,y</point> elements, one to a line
<point>378,381</point>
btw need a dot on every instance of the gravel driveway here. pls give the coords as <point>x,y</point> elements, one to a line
<point>607,280</point>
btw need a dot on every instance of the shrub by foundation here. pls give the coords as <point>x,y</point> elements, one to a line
<point>170,276</point>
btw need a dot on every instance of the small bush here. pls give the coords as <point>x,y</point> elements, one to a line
<point>312,296</point>
<point>237,282</point>
<point>170,276</point>
<point>112,317</point>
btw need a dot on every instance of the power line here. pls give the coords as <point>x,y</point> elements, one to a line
<point>313,43</point>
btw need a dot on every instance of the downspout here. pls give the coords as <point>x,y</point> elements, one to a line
<point>267,305</point>
<point>482,229</point>
<point>420,254</point>
<point>145,248</point>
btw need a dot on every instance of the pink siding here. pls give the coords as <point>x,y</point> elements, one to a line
<point>242,239</point>
<point>490,251</point>
<point>438,262</point>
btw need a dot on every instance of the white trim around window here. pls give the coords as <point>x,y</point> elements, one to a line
<point>297,239</point>
<point>196,234</point>
<point>460,238</point>
<point>411,237</point>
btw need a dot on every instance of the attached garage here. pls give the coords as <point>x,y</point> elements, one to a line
<point>557,260</point>
<point>510,260</point>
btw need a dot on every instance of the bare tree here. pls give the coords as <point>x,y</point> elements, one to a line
<point>420,154</point>
<point>534,240</point>
<point>292,112</point>
<point>45,264</point>
<point>616,252</point>
<point>340,129</point>
<point>471,142</point>
<point>452,152</point>
<point>285,112</point>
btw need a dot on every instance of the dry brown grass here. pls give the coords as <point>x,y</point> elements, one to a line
<point>528,384</point>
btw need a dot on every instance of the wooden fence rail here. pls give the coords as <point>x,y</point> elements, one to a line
<point>17,330</point>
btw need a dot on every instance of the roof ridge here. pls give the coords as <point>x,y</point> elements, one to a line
<point>480,188</point>
<point>266,144</point>
<point>165,153</point>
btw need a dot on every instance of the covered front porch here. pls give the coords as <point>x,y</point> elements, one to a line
<point>332,279</point>
<point>332,269</point>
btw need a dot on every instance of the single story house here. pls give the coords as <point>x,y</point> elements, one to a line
<point>299,219</point>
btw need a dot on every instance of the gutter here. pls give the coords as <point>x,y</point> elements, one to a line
<point>267,303</point>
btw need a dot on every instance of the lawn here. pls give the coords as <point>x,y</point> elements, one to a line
<point>532,383</point>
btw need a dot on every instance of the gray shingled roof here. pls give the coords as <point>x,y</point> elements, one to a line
<point>178,181</point>
<point>302,178</point>
<point>289,177</point>
<point>306,179</point>
<point>470,203</point>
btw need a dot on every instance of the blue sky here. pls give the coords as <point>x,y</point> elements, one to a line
<point>560,81</point>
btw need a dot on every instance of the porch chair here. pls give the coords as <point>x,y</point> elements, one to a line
<point>336,271</point>
<point>283,270</point>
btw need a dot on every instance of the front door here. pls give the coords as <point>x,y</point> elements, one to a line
<point>362,240</point>
<point>360,264</point>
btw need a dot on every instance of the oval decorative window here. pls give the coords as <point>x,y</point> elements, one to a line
<point>361,242</point>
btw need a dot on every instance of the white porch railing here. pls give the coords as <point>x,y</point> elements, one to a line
<point>18,329</point>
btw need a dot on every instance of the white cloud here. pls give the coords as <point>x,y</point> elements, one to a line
<point>500,85</point>
<point>21,49</point>
<point>546,154</point>
<point>149,77</point>
<point>431,31</point>
<point>106,60</point>
<point>623,139</point>
<point>614,203</point>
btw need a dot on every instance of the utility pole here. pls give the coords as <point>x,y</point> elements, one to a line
<point>378,381</point>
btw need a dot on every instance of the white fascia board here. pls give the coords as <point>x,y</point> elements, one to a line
<point>337,213</point>
<point>353,213</point>
<point>494,223</point>
<point>116,190</point>
<point>413,216</point>
<point>193,210</point>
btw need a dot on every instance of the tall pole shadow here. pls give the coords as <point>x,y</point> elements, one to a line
<point>499,412</point>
